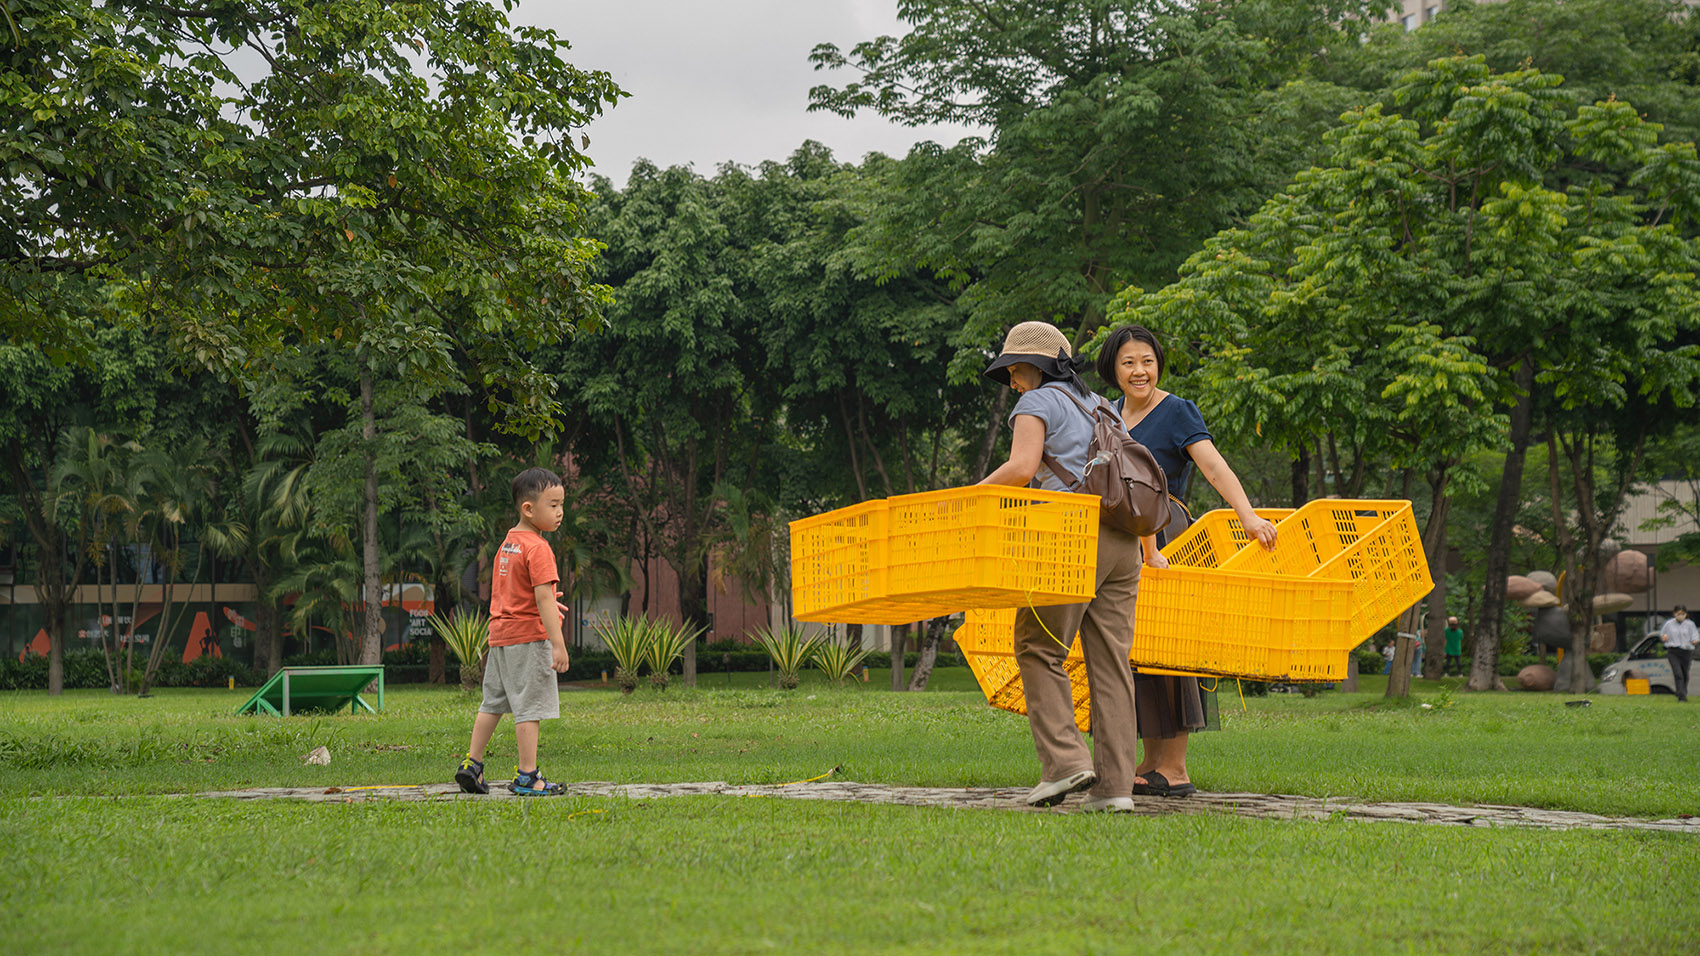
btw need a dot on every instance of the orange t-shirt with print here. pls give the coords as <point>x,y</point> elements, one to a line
<point>523,562</point>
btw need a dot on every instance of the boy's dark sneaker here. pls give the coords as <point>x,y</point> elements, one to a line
<point>532,784</point>
<point>470,776</point>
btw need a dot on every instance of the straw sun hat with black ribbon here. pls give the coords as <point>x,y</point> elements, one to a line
<point>1039,344</point>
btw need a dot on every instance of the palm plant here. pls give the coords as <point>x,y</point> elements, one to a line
<point>98,477</point>
<point>790,649</point>
<point>628,639</point>
<point>666,643</point>
<point>324,580</point>
<point>182,481</point>
<point>837,657</point>
<point>467,634</point>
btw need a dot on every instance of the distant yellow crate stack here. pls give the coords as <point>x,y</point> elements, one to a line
<point>912,557</point>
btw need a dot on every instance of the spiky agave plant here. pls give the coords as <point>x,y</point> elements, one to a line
<point>666,642</point>
<point>790,650</point>
<point>467,633</point>
<point>837,658</point>
<point>628,639</point>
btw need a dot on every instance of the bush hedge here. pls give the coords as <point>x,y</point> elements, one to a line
<point>1510,664</point>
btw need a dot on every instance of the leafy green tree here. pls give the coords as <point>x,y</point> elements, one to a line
<point>100,478</point>
<point>1444,267</point>
<point>395,180</point>
<point>178,480</point>
<point>1120,133</point>
<point>864,363</point>
<point>1645,52</point>
<point>114,392</point>
<point>675,382</point>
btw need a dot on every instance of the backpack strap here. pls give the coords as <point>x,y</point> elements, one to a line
<point>1046,457</point>
<point>1077,403</point>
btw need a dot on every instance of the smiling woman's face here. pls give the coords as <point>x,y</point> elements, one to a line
<point>1024,378</point>
<point>1136,371</point>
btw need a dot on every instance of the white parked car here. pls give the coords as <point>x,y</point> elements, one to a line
<point>1648,657</point>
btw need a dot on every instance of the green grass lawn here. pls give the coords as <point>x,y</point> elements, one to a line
<point>736,875</point>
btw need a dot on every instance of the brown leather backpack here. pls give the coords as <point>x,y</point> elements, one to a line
<point>1120,471</point>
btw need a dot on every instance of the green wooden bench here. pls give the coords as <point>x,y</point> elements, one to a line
<point>296,689</point>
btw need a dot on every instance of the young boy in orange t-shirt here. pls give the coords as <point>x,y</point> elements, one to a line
<point>526,648</point>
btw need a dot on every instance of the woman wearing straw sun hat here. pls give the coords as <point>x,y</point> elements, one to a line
<point>1037,362</point>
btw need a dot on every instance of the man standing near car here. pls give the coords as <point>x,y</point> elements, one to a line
<point>1679,636</point>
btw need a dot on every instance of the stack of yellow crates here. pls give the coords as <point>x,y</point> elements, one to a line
<point>1225,607</point>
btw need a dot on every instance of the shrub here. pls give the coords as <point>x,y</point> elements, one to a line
<point>791,649</point>
<point>628,642</point>
<point>467,633</point>
<point>666,642</point>
<point>911,658</point>
<point>1370,662</point>
<point>837,658</point>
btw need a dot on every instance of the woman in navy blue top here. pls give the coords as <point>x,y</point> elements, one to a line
<point>1169,708</point>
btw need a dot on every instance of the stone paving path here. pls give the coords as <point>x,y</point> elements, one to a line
<point>1265,805</point>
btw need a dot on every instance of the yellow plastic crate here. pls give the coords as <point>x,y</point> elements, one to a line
<point>1215,537</point>
<point>837,558</point>
<point>1373,544</point>
<point>1197,621</point>
<point>1208,614</point>
<point>912,557</point>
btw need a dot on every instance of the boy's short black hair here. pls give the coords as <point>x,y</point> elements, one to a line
<point>1113,346</point>
<point>1680,607</point>
<point>532,482</point>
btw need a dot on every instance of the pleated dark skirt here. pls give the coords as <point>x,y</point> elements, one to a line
<point>1167,706</point>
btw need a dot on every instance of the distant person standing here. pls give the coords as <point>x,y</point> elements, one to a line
<point>1454,647</point>
<point>1679,636</point>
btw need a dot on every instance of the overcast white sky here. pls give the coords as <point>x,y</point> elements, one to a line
<point>718,80</point>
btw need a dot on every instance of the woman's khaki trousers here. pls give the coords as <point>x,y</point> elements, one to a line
<point>1105,626</point>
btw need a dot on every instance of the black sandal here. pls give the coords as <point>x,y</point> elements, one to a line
<point>1157,785</point>
<point>470,776</point>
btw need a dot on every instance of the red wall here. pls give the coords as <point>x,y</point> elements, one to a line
<point>733,615</point>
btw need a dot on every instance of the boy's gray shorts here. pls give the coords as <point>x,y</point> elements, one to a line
<point>520,679</point>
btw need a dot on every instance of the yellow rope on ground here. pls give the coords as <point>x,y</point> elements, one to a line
<point>813,779</point>
<point>575,815</point>
<point>399,786</point>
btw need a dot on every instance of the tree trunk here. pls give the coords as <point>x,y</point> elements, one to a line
<point>444,603</point>
<point>1301,476</point>
<point>899,646</point>
<point>268,633</point>
<point>372,636</point>
<point>1484,661</point>
<point>693,607</point>
<point>1399,675</point>
<point>983,458</point>
<point>52,588</point>
<point>108,631</point>
<point>934,631</point>
<point>1434,640</point>
<point>56,610</point>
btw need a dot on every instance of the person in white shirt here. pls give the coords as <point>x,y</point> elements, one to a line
<point>1679,636</point>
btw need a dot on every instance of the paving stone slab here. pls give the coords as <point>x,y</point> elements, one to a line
<point>1261,805</point>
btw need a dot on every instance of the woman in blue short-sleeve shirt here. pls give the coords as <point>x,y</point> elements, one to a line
<point>1169,708</point>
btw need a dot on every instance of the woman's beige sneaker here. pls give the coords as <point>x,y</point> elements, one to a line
<point>1049,793</point>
